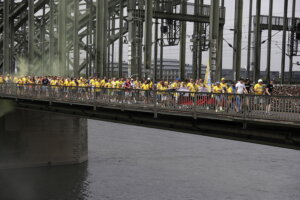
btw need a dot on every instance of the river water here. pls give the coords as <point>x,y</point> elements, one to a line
<point>135,163</point>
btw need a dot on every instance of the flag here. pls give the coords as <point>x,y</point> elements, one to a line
<point>207,80</point>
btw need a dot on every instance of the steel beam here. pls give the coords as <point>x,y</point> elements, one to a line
<point>148,34</point>
<point>249,39</point>
<point>214,37</point>
<point>161,51</point>
<point>62,53</point>
<point>237,43</point>
<point>6,38</point>
<point>292,42</point>
<point>200,31</point>
<point>30,36</point>
<point>182,56</point>
<point>283,52</point>
<point>132,41</point>
<point>113,47</point>
<point>76,39</point>
<point>101,39</point>
<point>257,33</point>
<point>196,38</point>
<point>121,28</point>
<point>269,40</point>
<point>155,51</point>
<point>51,37</point>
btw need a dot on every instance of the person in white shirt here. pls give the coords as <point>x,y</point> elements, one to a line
<point>240,89</point>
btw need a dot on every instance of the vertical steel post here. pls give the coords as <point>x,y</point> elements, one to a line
<point>108,47</point>
<point>148,34</point>
<point>101,33</point>
<point>90,38</point>
<point>269,40</point>
<point>139,41</point>
<point>161,50</point>
<point>200,32</point>
<point>195,41</point>
<point>113,47</point>
<point>237,44</point>
<point>257,42</point>
<point>121,15</point>
<point>292,42</point>
<point>283,53</point>
<point>214,36</point>
<point>132,40</point>
<point>6,38</point>
<point>155,51</point>
<point>76,39</point>
<point>30,36</point>
<point>51,37</point>
<point>249,39</point>
<point>62,37</point>
<point>43,31</point>
<point>182,56</point>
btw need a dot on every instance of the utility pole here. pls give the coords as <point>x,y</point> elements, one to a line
<point>249,39</point>
<point>292,42</point>
<point>214,36</point>
<point>283,53</point>
<point>269,40</point>
<point>237,44</point>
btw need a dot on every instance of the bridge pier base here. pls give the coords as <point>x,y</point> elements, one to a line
<point>36,138</point>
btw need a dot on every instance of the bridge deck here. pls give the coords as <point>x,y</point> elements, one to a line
<point>283,110</point>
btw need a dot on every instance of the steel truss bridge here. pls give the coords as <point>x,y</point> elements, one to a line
<point>81,37</point>
<point>74,37</point>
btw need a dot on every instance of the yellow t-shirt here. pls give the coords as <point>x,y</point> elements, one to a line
<point>217,89</point>
<point>192,87</point>
<point>1,80</point>
<point>145,86</point>
<point>108,85</point>
<point>259,89</point>
<point>224,85</point>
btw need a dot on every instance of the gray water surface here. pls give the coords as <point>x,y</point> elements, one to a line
<point>136,163</point>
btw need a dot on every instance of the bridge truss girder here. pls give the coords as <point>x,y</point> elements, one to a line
<point>51,37</point>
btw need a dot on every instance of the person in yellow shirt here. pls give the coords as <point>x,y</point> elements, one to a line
<point>224,85</point>
<point>137,84</point>
<point>259,90</point>
<point>1,80</point>
<point>146,87</point>
<point>217,89</point>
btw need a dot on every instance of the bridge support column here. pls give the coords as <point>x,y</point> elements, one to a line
<point>34,138</point>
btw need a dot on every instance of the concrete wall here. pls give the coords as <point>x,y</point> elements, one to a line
<point>36,138</point>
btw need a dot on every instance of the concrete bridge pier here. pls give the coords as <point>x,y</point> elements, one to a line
<point>36,138</point>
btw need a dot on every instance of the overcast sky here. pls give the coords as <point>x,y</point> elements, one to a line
<point>228,35</point>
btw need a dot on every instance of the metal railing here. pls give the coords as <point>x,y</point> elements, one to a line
<point>275,108</point>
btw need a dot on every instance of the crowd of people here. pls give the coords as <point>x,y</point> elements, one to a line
<point>167,91</point>
<point>243,86</point>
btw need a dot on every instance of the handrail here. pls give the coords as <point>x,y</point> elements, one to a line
<point>196,104</point>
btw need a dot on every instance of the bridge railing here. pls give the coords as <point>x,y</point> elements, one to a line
<point>276,108</point>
